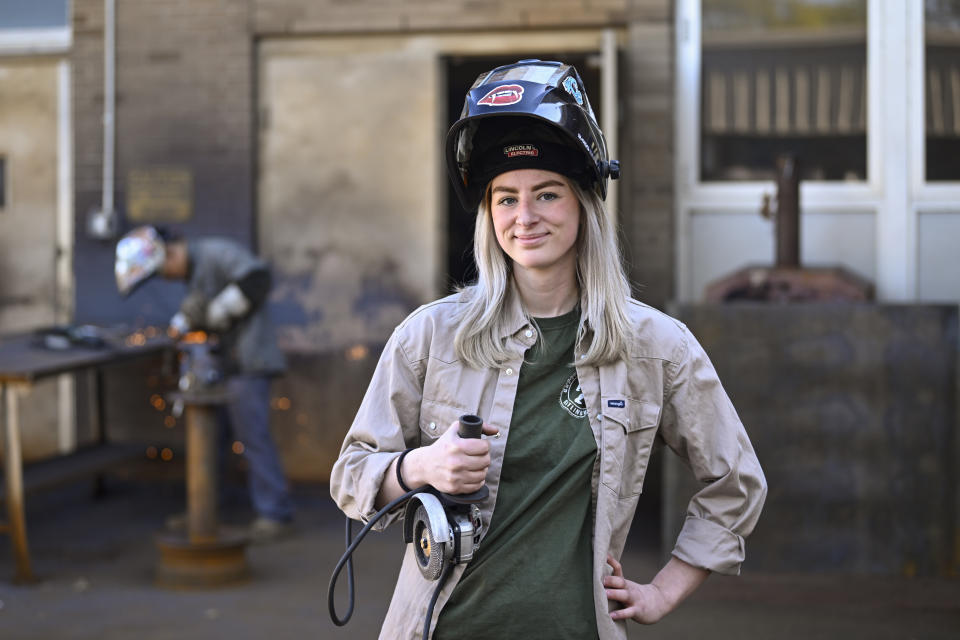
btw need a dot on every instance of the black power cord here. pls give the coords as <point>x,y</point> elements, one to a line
<point>433,599</point>
<point>347,559</point>
<point>470,426</point>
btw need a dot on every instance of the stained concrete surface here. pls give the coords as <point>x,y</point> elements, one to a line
<point>96,560</point>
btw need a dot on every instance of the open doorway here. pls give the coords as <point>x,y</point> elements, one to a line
<point>461,71</point>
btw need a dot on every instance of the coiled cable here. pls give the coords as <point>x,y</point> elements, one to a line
<point>347,559</point>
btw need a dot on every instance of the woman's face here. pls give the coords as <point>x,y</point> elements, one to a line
<point>536,216</point>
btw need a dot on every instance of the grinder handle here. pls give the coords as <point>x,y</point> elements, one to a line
<point>470,426</point>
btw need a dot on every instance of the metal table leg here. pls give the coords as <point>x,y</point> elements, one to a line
<point>13,468</point>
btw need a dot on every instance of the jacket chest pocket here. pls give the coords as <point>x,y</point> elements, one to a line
<point>629,429</point>
<point>435,419</point>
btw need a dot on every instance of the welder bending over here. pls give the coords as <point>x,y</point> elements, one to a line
<point>227,290</point>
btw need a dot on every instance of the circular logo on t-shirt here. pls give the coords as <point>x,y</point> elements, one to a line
<point>571,399</point>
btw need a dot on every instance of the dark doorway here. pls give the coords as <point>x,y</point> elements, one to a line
<point>461,73</point>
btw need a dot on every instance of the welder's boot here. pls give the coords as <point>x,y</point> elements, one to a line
<point>265,530</point>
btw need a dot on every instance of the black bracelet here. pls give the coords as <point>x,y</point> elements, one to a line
<point>403,485</point>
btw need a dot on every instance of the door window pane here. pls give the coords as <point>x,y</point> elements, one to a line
<point>942,89</point>
<point>783,76</point>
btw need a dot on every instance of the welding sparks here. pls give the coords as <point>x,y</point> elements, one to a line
<point>194,337</point>
<point>357,352</point>
<point>136,339</point>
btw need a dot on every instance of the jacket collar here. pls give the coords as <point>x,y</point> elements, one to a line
<point>515,318</point>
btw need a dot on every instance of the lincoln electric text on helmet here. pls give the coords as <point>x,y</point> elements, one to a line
<point>531,114</point>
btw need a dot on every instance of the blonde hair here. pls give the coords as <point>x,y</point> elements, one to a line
<point>604,290</point>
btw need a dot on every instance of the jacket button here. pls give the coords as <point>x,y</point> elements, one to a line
<point>509,371</point>
<point>433,426</point>
<point>497,435</point>
<point>528,333</point>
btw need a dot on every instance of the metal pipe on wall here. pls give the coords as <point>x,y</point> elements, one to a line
<point>109,100</point>
<point>102,222</point>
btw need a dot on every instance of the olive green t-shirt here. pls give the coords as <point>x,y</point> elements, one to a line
<point>532,575</point>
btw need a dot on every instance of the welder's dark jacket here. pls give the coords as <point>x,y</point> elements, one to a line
<point>666,387</point>
<point>251,342</point>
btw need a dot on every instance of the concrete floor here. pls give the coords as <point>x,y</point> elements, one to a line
<point>96,560</point>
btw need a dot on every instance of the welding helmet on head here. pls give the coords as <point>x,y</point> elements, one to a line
<point>530,114</point>
<point>140,255</point>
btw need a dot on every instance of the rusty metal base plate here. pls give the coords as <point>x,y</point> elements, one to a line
<point>788,284</point>
<point>186,564</point>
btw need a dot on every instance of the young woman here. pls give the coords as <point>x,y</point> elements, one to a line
<point>574,379</point>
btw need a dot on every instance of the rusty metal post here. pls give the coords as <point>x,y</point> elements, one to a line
<point>206,554</point>
<point>201,473</point>
<point>788,212</point>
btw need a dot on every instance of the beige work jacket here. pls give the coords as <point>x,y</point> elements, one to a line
<point>666,387</point>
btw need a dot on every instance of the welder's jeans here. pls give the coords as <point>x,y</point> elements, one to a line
<point>249,416</point>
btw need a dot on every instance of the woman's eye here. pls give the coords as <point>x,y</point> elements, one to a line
<point>548,196</point>
<point>506,201</point>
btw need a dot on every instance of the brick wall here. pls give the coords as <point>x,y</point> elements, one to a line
<point>334,16</point>
<point>184,96</point>
<point>648,154</point>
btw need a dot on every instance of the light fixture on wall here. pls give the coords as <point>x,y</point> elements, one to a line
<point>102,224</point>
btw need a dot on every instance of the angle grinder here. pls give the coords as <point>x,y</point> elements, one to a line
<point>444,529</point>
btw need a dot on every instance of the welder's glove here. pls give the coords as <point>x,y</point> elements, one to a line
<point>179,323</point>
<point>226,306</point>
<point>194,310</point>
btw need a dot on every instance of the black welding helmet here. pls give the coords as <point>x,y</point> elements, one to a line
<point>530,114</point>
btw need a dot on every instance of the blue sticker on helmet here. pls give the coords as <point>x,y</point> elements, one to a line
<point>570,84</point>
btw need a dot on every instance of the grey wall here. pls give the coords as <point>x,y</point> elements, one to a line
<point>852,410</point>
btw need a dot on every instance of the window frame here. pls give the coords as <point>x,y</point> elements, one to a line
<point>895,191</point>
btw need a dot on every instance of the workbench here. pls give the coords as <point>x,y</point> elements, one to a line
<point>26,358</point>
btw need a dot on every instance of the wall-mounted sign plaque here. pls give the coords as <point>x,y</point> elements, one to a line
<point>160,194</point>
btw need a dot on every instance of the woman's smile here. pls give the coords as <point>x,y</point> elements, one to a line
<point>536,218</point>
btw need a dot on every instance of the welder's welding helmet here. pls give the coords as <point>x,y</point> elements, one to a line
<point>140,255</point>
<point>530,114</point>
